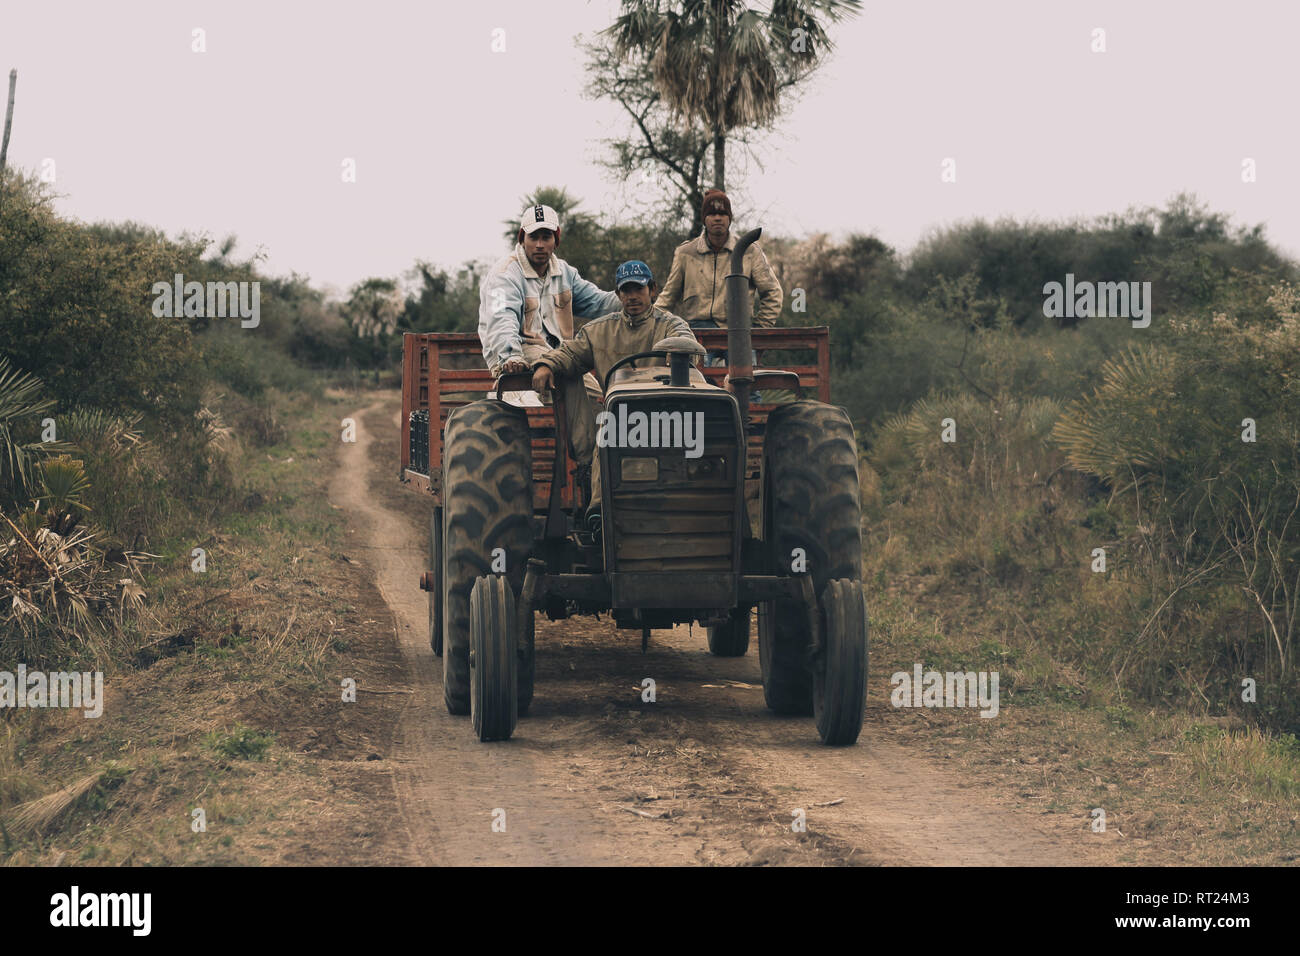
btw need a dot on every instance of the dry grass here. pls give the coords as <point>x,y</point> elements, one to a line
<point>36,815</point>
<point>228,701</point>
<point>979,558</point>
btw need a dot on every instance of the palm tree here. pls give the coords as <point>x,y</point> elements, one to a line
<point>557,198</point>
<point>724,65</point>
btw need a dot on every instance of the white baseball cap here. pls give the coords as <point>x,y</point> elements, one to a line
<point>539,217</point>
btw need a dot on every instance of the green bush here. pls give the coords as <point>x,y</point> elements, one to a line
<point>77,310</point>
<point>240,743</point>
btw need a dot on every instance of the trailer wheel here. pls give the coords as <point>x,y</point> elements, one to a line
<point>487,505</point>
<point>732,638</point>
<point>493,660</point>
<point>435,593</point>
<point>840,667</point>
<point>811,524</point>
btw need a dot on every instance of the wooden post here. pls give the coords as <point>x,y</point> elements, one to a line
<point>9,121</point>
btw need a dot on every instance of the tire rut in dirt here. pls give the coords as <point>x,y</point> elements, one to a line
<point>488,504</point>
<point>810,502</point>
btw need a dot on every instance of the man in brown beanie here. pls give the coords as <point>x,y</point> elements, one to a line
<point>696,286</point>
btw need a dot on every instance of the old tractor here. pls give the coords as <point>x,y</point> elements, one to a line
<point>763,513</point>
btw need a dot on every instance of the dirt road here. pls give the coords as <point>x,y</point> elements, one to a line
<point>705,774</point>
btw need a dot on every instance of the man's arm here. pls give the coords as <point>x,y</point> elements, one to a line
<point>671,293</point>
<point>677,328</point>
<point>573,358</point>
<point>770,295</point>
<point>501,320</point>
<point>589,301</point>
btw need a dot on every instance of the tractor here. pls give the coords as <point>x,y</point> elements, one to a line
<point>764,515</point>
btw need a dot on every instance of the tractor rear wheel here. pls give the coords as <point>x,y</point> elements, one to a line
<point>435,593</point>
<point>487,520</point>
<point>811,525</point>
<point>732,638</point>
<point>493,659</point>
<point>840,667</point>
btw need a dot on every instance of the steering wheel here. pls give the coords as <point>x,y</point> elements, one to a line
<point>664,348</point>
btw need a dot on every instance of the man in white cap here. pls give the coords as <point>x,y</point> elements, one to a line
<point>527,304</point>
<point>528,300</point>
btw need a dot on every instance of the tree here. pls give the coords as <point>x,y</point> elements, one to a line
<point>660,144</point>
<point>372,311</point>
<point>76,311</point>
<point>575,226</point>
<point>721,66</point>
<point>442,302</point>
<point>595,250</point>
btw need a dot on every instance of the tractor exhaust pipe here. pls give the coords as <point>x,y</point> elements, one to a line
<point>740,352</point>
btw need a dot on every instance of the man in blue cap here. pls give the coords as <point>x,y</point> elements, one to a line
<point>602,342</point>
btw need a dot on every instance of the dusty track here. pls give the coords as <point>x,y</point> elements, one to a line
<point>704,775</point>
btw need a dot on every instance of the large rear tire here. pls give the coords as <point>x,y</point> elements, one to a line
<point>487,504</point>
<point>493,659</point>
<point>732,638</point>
<point>840,669</point>
<point>811,524</point>
<point>435,594</point>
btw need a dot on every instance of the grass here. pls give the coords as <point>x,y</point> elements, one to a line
<point>1250,763</point>
<point>240,743</point>
<point>978,556</point>
<point>212,704</point>
<point>969,568</point>
<point>1176,789</point>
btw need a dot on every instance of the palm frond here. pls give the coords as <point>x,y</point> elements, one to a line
<point>1119,429</point>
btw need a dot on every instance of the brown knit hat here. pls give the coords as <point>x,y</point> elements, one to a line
<point>715,201</point>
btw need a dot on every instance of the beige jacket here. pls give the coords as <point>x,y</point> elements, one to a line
<point>602,342</point>
<point>697,281</point>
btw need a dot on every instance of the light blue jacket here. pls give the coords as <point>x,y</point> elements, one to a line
<point>513,300</point>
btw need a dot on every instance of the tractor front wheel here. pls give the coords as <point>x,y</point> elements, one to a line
<point>493,660</point>
<point>840,665</point>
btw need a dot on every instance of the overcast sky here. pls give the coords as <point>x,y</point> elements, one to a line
<point>249,137</point>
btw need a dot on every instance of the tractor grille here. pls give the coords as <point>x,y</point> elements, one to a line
<point>684,517</point>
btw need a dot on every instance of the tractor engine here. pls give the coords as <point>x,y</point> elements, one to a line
<point>672,458</point>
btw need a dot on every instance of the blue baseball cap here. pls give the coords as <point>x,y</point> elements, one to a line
<point>634,270</point>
